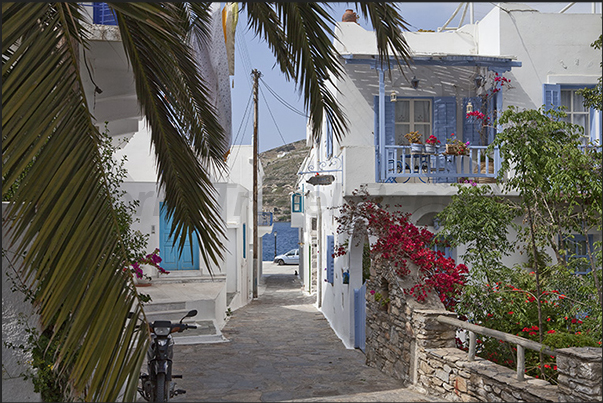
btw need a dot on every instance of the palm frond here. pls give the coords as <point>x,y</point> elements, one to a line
<point>388,24</point>
<point>299,36</point>
<point>185,130</point>
<point>62,213</point>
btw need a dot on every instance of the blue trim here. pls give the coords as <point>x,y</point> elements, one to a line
<point>500,64</point>
<point>330,259</point>
<point>297,203</point>
<point>244,241</point>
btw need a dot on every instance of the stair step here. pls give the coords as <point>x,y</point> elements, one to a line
<point>166,306</point>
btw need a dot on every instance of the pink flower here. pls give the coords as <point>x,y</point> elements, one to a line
<point>372,292</point>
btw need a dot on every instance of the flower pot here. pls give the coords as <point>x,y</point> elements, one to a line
<point>349,16</point>
<point>430,148</point>
<point>453,149</point>
<point>416,148</point>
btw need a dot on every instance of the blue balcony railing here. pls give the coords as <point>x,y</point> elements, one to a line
<point>102,14</point>
<point>401,164</point>
<point>264,219</point>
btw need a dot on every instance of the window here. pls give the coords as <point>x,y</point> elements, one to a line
<point>297,203</point>
<point>412,115</point>
<point>329,139</point>
<point>575,110</point>
<point>577,252</point>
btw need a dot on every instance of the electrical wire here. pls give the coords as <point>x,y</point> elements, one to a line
<point>272,116</point>
<point>246,115</point>
<point>281,100</point>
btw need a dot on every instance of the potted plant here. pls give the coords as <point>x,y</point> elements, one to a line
<point>431,144</point>
<point>455,146</point>
<point>414,138</point>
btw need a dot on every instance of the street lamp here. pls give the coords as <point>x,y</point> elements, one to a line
<point>274,243</point>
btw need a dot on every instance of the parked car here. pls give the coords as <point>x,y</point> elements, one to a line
<point>291,257</point>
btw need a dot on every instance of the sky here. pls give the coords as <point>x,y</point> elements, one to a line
<point>281,111</point>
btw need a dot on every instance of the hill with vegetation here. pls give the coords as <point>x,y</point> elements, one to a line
<point>280,166</point>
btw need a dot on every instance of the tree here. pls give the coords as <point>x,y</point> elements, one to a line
<point>558,184</point>
<point>593,97</point>
<point>61,213</point>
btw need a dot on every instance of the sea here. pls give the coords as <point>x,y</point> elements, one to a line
<point>286,238</point>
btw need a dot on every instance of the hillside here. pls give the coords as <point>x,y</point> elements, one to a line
<point>281,165</point>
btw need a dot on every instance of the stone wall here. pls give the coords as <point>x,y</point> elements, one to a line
<point>405,341</point>
<point>15,310</point>
<point>579,374</point>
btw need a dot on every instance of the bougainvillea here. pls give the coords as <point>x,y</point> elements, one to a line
<point>399,242</point>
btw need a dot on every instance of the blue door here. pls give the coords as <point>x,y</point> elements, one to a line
<point>360,317</point>
<point>169,250</point>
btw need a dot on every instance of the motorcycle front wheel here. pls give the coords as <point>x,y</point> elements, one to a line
<point>160,388</point>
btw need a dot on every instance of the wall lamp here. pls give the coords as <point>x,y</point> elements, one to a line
<point>393,97</point>
<point>414,82</point>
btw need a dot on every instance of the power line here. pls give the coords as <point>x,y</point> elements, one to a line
<point>272,116</point>
<point>245,115</point>
<point>281,100</point>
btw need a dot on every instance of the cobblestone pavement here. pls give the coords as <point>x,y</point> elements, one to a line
<point>281,348</point>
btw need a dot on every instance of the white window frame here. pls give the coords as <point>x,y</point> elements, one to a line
<point>571,113</point>
<point>411,114</point>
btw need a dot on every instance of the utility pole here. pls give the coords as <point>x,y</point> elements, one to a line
<point>256,75</point>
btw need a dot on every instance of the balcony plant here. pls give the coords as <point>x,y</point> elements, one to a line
<point>455,146</point>
<point>431,144</point>
<point>414,138</point>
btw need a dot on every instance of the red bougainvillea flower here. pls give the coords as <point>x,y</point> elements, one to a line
<point>510,312</point>
<point>551,331</point>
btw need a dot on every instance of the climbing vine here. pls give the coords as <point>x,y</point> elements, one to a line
<point>400,243</point>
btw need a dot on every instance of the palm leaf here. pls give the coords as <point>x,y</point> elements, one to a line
<point>185,130</point>
<point>62,212</point>
<point>299,36</point>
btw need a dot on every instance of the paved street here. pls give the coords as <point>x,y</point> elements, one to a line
<point>281,348</point>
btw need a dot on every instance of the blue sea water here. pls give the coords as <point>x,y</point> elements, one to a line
<point>287,238</point>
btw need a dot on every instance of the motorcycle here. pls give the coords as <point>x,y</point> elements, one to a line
<point>157,385</point>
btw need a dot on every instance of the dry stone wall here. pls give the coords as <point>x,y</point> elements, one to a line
<point>405,341</point>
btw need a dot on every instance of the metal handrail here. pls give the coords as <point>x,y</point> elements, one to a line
<point>519,341</point>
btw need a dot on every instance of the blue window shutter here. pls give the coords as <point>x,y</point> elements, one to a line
<point>390,126</point>
<point>103,15</point>
<point>551,96</point>
<point>330,263</point>
<point>444,117</point>
<point>329,139</point>
<point>472,125</point>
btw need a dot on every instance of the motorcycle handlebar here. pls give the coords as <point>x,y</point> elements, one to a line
<point>180,327</point>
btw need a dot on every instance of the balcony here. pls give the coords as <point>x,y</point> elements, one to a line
<point>402,165</point>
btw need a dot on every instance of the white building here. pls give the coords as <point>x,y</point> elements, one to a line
<point>544,55</point>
